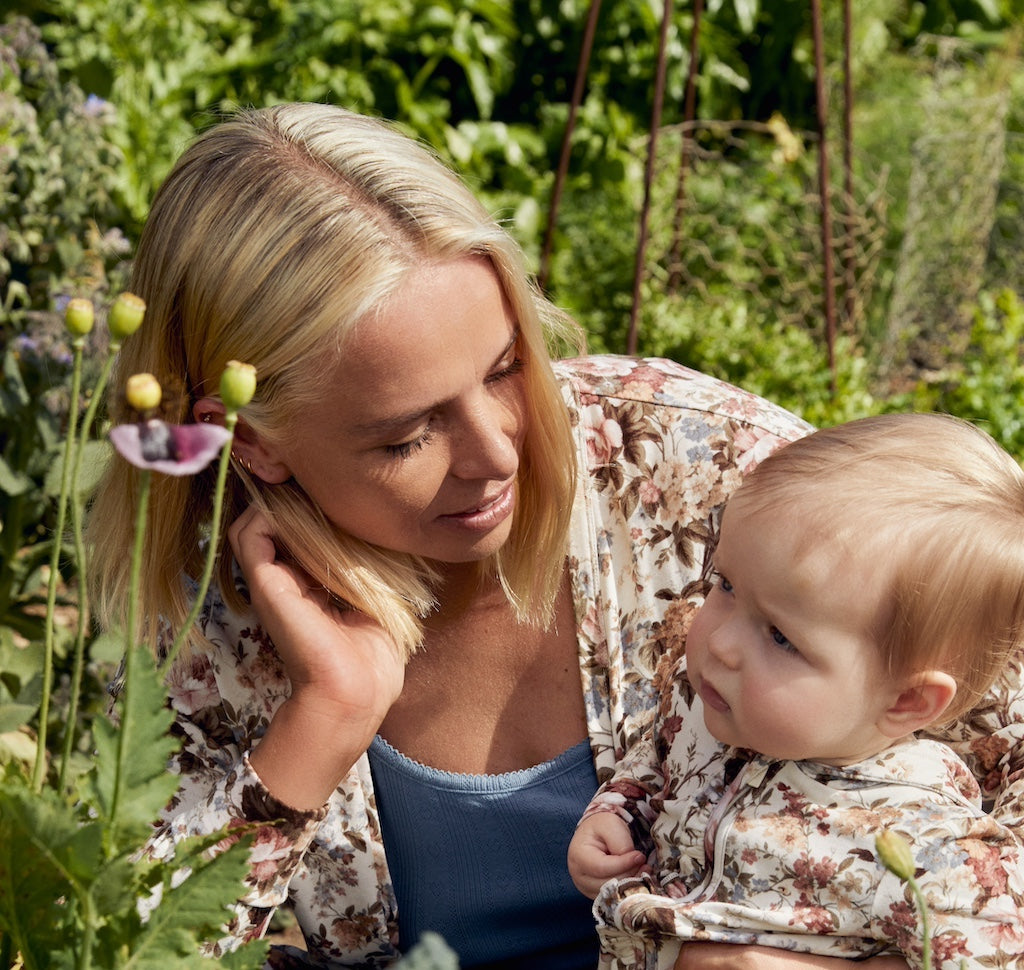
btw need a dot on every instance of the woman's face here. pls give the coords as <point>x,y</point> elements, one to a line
<point>415,444</point>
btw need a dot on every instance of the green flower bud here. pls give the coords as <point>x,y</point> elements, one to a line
<point>79,316</point>
<point>237,385</point>
<point>143,392</point>
<point>126,316</point>
<point>894,851</point>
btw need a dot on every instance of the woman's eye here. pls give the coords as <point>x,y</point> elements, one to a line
<point>515,367</point>
<point>406,448</point>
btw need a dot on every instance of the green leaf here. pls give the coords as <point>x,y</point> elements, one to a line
<point>430,953</point>
<point>107,647</point>
<point>13,394</point>
<point>13,482</point>
<point>194,910</point>
<point>131,795</point>
<point>95,457</point>
<point>14,716</point>
<point>17,746</point>
<point>21,662</point>
<point>746,14</point>
<point>48,857</point>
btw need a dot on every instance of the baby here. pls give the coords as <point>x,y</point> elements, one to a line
<point>868,583</point>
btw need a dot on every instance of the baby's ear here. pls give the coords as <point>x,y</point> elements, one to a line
<point>918,704</point>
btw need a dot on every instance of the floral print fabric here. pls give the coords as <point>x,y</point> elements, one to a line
<point>660,449</point>
<point>747,849</point>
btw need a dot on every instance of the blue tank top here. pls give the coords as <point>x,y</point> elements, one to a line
<point>480,859</point>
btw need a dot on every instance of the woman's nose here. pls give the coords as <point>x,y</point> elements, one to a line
<point>487,444</point>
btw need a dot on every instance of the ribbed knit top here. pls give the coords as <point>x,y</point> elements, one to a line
<point>481,859</point>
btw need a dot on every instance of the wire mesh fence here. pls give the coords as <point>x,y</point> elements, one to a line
<point>746,223</point>
<point>735,218</point>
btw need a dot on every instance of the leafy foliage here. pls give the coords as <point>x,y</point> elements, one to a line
<point>59,172</point>
<point>785,364</point>
<point>74,889</point>
<point>987,387</point>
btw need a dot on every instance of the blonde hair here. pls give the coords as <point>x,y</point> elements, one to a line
<point>939,507</point>
<point>275,232</point>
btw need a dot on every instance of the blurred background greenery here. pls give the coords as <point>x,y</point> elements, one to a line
<point>97,97</point>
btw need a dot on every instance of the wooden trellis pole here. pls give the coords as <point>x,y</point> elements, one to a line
<point>563,162</point>
<point>849,253</point>
<point>823,188</point>
<point>689,115</point>
<point>652,146</point>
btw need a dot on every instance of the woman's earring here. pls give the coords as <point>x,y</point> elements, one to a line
<point>246,463</point>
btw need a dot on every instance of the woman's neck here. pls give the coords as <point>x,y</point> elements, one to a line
<point>464,587</point>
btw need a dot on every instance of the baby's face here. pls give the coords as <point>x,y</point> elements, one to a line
<point>780,652</point>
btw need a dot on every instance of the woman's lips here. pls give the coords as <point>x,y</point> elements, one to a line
<point>486,516</point>
<point>712,698</point>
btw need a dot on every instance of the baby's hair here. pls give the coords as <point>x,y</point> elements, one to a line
<point>939,506</point>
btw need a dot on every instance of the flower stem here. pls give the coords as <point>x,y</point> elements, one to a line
<point>80,560</point>
<point>926,934</point>
<point>130,645</point>
<point>89,920</point>
<point>39,769</point>
<point>230,419</point>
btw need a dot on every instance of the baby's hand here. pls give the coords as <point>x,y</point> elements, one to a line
<point>602,849</point>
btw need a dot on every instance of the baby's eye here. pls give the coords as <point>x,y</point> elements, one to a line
<point>723,583</point>
<point>781,640</point>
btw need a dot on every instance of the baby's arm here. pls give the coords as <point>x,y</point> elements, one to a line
<point>602,849</point>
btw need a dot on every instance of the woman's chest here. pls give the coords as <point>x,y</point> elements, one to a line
<point>488,694</point>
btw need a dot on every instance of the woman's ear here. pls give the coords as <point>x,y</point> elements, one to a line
<point>246,447</point>
<point>918,704</point>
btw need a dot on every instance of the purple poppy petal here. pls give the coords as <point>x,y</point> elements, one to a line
<point>174,449</point>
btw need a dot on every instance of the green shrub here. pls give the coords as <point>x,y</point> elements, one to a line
<point>60,217</point>
<point>59,237</point>
<point>987,386</point>
<point>785,364</point>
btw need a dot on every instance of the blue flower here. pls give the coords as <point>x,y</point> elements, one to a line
<point>95,106</point>
<point>174,449</point>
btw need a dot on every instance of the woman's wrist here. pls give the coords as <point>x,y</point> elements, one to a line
<point>308,750</point>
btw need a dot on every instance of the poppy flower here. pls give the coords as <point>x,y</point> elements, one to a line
<point>174,449</point>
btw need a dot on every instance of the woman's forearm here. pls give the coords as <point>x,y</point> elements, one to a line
<point>307,751</point>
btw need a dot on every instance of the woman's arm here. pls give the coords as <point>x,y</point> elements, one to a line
<point>272,721</point>
<point>345,674</point>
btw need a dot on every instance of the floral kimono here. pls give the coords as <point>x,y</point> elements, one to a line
<point>747,849</point>
<point>660,448</point>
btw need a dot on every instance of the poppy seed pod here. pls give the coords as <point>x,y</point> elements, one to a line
<point>894,852</point>
<point>125,316</point>
<point>79,316</point>
<point>143,393</point>
<point>237,385</point>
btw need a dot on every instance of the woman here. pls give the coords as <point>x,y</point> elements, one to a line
<point>506,531</point>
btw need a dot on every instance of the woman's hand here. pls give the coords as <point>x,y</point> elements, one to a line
<point>730,956</point>
<point>345,673</point>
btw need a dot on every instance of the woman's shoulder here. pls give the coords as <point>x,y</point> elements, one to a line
<point>669,385</point>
